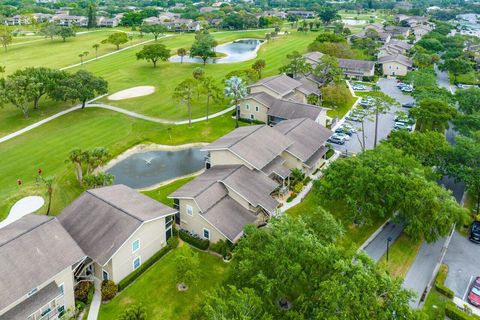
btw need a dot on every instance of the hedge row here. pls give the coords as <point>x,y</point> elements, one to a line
<point>439,282</point>
<point>201,244</point>
<point>222,247</point>
<point>172,243</point>
<point>454,313</point>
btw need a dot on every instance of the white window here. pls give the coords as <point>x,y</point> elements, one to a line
<point>252,116</point>
<point>136,263</point>
<point>62,288</point>
<point>206,233</point>
<point>247,107</point>
<point>189,210</point>
<point>256,109</point>
<point>135,245</point>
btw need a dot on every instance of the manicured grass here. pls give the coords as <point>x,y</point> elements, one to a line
<point>434,307</point>
<point>161,193</point>
<point>156,290</point>
<point>124,71</point>
<point>56,53</point>
<point>354,235</point>
<point>401,255</point>
<point>471,77</point>
<point>341,110</point>
<point>47,147</point>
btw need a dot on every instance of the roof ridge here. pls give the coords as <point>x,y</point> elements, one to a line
<point>216,181</point>
<point>248,135</point>
<point>26,231</point>
<point>115,206</point>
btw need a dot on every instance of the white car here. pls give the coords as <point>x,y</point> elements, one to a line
<point>342,136</point>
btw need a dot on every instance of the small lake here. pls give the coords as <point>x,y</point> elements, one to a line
<point>146,169</point>
<point>354,22</point>
<point>236,51</point>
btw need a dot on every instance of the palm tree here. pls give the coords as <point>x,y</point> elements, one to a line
<point>183,93</point>
<point>181,52</point>
<point>96,46</point>
<point>48,181</point>
<point>236,89</point>
<point>82,55</point>
<point>212,91</point>
<point>76,157</point>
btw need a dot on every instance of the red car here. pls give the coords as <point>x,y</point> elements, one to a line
<point>474,294</point>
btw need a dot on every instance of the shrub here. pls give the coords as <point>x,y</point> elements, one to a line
<point>254,121</point>
<point>172,243</point>
<point>292,196</point>
<point>82,291</point>
<point>307,180</point>
<point>80,305</point>
<point>454,313</point>
<point>109,290</point>
<point>221,247</point>
<point>297,187</point>
<point>195,241</point>
<point>439,282</point>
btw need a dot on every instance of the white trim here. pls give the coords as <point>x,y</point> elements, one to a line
<point>187,207</point>
<point>139,258</point>
<point>62,285</point>
<point>139,245</point>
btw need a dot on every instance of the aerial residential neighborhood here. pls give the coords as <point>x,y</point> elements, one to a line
<point>239,160</point>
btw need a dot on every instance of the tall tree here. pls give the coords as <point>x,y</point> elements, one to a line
<point>92,15</point>
<point>297,65</point>
<point>468,100</point>
<point>258,66</point>
<point>433,114</point>
<point>48,182</point>
<point>211,90</point>
<point>6,38</point>
<point>154,52</point>
<point>76,157</point>
<point>235,89</point>
<point>20,91</point>
<point>328,70</point>
<point>81,86</point>
<point>203,47</point>
<point>181,52</point>
<point>117,39</point>
<point>328,14</point>
<point>155,29</point>
<point>96,46</point>
<point>457,67</point>
<point>49,31</point>
<point>65,32</point>
<point>183,93</point>
<point>379,106</point>
<point>187,264</point>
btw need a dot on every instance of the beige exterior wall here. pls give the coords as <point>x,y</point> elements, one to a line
<point>64,277</point>
<point>225,157</point>
<point>322,118</point>
<point>195,223</point>
<point>249,107</point>
<point>300,97</point>
<point>394,69</point>
<point>235,196</point>
<point>419,32</point>
<point>291,162</point>
<point>152,238</point>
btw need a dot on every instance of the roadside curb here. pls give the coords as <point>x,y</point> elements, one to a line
<point>373,235</point>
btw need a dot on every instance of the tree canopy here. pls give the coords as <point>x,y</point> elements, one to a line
<point>297,65</point>
<point>154,53</point>
<point>117,39</point>
<point>433,114</point>
<point>203,47</point>
<point>468,100</point>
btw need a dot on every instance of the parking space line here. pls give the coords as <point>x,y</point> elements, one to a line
<point>468,287</point>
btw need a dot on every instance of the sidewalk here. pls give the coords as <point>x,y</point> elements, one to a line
<point>377,247</point>
<point>96,301</point>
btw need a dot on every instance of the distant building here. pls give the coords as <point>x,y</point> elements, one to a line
<point>395,65</point>
<point>18,20</point>
<point>302,14</point>
<point>66,20</point>
<point>351,68</point>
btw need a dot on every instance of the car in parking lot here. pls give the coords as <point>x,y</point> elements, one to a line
<point>337,139</point>
<point>409,105</point>
<point>474,293</point>
<point>475,232</point>
<point>463,86</point>
<point>400,125</point>
<point>342,135</point>
<point>346,129</point>
<point>407,88</point>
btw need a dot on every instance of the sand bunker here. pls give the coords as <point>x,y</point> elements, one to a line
<point>23,207</point>
<point>134,92</point>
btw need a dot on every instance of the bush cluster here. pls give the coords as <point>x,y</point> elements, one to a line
<point>221,247</point>
<point>439,282</point>
<point>172,243</point>
<point>82,291</point>
<point>194,240</point>
<point>454,313</point>
<point>297,187</point>
<point>109,290</point>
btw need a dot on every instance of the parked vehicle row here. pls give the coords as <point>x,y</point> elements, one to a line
<point>359,87</point>
<point>404,87</point>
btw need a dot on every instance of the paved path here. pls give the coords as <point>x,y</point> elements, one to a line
<point>96,302</point>
<point>377,247</point>
<point>443,79</point>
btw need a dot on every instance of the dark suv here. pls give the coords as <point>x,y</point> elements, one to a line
<point>475,232</point>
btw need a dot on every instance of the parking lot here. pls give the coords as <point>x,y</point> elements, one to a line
<point>463,260</point>
<point>385,123</point>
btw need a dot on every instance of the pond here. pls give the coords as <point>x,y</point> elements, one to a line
<point>146,169</point>
<point>354,22</point>
<point>236,51</point>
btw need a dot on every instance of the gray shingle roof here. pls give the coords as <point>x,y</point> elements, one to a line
<point>101,220</point>
<point>276,166</point>
<point>33,249</point>
<point>396,58</point>
<point>229,217</point>
<point>293,110</point>
<point>350,64</point>
<point>280,84</point>
<point>307,135</point>
<point>33,303</point>
<point>257,145</point>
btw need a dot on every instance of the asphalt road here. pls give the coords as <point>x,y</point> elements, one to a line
<point>385,123</point>
<point>463,260</point>
<point>378,247</point>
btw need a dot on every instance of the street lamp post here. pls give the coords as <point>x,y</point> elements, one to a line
<point>389,239</point>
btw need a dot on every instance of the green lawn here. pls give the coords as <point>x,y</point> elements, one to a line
<point>401,255</point>
<point>161,193</point>
<point>56,53</point>
<point>354,235</point>
<point>434,307</point>
<point>156,290</point>
<point>123,71</point>
<point>341,110</point>
<point>47,147</point>
<point>471,77</point>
